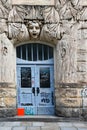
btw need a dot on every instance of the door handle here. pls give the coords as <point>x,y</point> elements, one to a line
<point>38,91</point>
<point>33,91</point>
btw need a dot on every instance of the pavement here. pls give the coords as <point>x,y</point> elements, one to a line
<point>42,123</point>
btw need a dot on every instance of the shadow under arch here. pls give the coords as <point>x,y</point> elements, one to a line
<point>52,44</point>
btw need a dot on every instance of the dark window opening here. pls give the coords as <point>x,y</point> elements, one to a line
<point>34,52</point>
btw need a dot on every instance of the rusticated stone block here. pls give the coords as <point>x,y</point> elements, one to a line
<point>82,77</point>
<point>81,67</point>
<point>84,113</point>
<point>10,102</point>
<point>7,102</point>
<point>84,33</point>
<point>7,85</point>
<point>69,102</point>
<point>68,112</point>
<point>7,95</point>
<point>68,92</point>
<point>7,92</point>
<point>8,112</point>
<point>80,46</point>
<point>68,85</point>
<point>81,55</point>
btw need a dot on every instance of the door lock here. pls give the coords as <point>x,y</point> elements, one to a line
<point>33,91</point>
<point>38,91</point>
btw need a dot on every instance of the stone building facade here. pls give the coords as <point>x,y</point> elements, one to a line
<point>59,24</point>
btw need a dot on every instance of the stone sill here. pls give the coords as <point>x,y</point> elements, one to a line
<point>41,119</point>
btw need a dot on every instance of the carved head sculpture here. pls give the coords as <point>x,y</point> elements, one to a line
<point>34,28</point>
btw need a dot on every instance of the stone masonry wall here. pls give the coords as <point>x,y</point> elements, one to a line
<point>7,77</point>
<point>71,82</point>
<point>64,26</point>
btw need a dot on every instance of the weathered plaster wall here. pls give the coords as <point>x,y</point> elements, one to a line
<point>65,26</point>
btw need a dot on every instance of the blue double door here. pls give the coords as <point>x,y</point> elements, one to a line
<point>35,89</point>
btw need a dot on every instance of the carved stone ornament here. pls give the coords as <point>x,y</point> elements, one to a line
<point>24,22</point>
<point>34,28</point>
<point>33,23</point>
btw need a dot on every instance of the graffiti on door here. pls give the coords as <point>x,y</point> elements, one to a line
<point>29,111</point>
<point>46,98</point>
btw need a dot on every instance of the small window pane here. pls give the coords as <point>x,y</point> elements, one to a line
<point>29,52</point>
<point>24,52</point>
<point>34,52</point>
<point>25,77</point>
<point>50,52</point>
<point>45,77</point>
<point>45,52</point>
<point>18,52</point>
<point>39,51</point>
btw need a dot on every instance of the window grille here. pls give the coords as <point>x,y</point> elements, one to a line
<point>34,52</point>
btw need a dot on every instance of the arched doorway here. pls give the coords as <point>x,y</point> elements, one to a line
<point>35,79</point>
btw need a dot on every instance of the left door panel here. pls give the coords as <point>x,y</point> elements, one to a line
<point>26,89</point>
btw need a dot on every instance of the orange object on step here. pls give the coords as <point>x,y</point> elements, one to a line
<point>20,111</point>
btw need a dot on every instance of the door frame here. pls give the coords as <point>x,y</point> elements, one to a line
<point>46,62</point>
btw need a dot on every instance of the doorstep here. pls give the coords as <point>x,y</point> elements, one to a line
<point>40,118</point>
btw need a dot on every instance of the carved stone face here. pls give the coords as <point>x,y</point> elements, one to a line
<point>34,29</point>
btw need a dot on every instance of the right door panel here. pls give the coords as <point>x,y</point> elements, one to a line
<point>45,90</point>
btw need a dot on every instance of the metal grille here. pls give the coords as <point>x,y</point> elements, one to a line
<point>34,52</point>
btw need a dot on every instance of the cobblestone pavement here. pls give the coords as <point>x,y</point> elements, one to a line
<point>26,125</point>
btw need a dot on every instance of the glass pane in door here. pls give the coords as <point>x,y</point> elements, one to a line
<point>25,77</point>
<point>44,77</point>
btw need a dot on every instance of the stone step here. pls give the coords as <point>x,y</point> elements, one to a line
<point>40,119</point>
